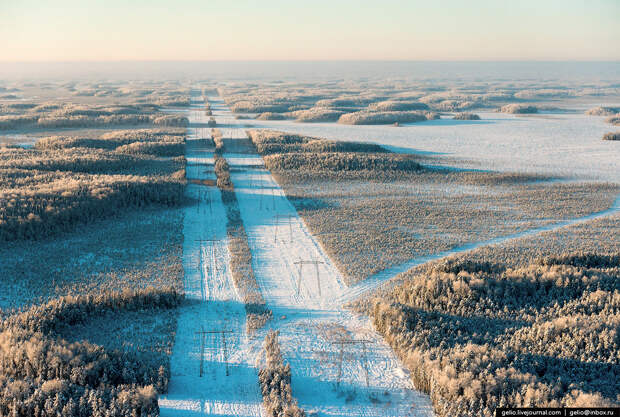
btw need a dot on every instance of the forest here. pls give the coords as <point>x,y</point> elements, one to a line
<point>275,381</point>
<point>42,374</point>
<point>63,181</point>
<point>480,335</point>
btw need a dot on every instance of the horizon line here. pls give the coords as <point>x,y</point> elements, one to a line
<point>72,61</point>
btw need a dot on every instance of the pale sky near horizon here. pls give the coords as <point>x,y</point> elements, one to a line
<point>101,30</point>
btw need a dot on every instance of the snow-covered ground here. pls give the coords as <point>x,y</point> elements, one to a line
<point>373,282</point>
<point>24,141</point>
<point>566,144</point>
<point>199,383</point>
<point>360,377</point>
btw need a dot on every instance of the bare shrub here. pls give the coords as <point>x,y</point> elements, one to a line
<point>466,116</point>
<point>602,111</point>
<point>517,108</point>
<point>275,381</point>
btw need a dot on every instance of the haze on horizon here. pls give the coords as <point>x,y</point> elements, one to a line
<point>449,30</point>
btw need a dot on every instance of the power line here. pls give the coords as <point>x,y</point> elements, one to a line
<point>289,217</point>
<point>342,344</point>
<point>203,333</point>
<point>316,264</point>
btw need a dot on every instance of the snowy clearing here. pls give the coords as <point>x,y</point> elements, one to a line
<point>559,144</point>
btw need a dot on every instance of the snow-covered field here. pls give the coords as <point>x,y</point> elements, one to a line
<point>18,140</point>
<point>565,144</point>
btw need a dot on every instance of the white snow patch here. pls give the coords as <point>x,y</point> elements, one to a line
<point>565,145</point>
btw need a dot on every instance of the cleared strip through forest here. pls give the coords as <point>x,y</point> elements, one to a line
<point>332,371</point>
<point>212,370</point>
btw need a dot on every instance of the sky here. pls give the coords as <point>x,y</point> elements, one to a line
<point>197,30</point>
